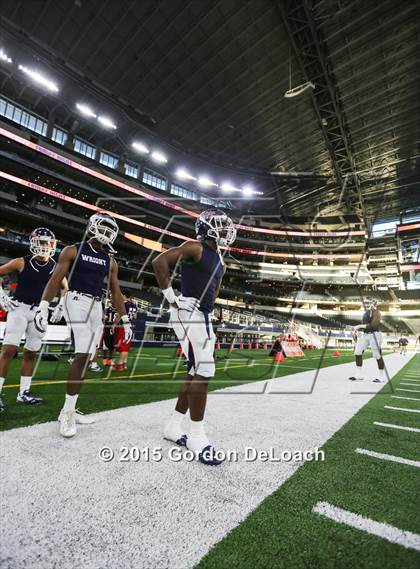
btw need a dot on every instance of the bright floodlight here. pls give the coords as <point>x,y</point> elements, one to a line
<point>107,122</point>
<point>227,187</point>
<point>85,110</point>
<point>159,157</point>
<point>248,190</point>
<point>40,79</point>
<point>140,147</point>
<point>5,57</point>
<point>206,182</point>
<point>184,175</point>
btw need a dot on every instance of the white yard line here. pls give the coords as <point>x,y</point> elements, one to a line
<point>129,510</point>
<point>411,383</point>
<point>389,457</point>
<point>402,409</point>
<point>405,389</point>
<point>392,426</point>
<point>406,398</point>
<point>401,537</point>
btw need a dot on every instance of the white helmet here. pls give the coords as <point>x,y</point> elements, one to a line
<point>42,242</point>
<point>103,228</point>
<point>215,224</point>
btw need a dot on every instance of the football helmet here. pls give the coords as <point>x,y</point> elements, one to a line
<point>215,224</point>
<point>103,228</point>
<point>371,303</point>
<point>42,242</point>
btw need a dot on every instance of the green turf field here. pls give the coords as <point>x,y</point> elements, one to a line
<point>284,532</point>
<point>154,374</point>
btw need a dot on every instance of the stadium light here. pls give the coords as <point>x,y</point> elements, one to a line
<point>248,190</point>
<point>159,157</point>
<point>85,110</point>
<point>39,78</point>
<point>228,187</point>
<point>5,57</point>
<point>106,122</point>
<point>206,182</point>
<point>140,147</point>
<point>184,175</point>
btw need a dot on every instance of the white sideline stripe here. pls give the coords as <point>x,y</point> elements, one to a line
<point>403,389</point>
<point>392,426</point>
<point>401,537</point>
<point>411,383</point>
<point>402,409</point>
<point>406,398</point>
<point>389,457</point>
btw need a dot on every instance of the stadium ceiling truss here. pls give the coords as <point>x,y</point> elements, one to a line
<point>207,79</point>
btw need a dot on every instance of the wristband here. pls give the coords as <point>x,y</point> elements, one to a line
<point>169,294</point>
<point>44,305</point>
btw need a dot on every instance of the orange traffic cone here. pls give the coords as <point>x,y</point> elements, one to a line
<point>179,352</point>
<point>336,354</point>
<point>279,357</point>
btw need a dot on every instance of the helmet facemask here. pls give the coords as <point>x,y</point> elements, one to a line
<point>42,243</point>
<point>215,224</point>
<point>103,228</point>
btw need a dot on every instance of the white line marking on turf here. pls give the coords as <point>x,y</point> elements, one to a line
<point>411,383</point>
<point>402,409</point>
<point>389,457</point>
<point>404,538</point>
<point>392,426</point>
<point>406,398</point>
<point>412,390</point>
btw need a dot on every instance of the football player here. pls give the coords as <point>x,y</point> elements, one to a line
<point>202,270</point>
<point>123,347</point>
<point>403,343</point>
<point>108,335</point>
<point>369,336</point>
<point>33,272</point>
<point>87,264</point>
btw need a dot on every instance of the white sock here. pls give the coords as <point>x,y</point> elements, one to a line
<point>94,365</point>
<point>358,372</point>
<point>381,374</point>
<point>70,402</point>
<point>198,438</point>
<point>1,383</point>
<point>25,383</point>
<point>175,421</point>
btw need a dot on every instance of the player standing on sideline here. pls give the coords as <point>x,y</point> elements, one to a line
<point>369,336</point>
<point>403,343</point>
<point>87,265</point>
<point>108,339</point>
<point>124,347</point>
<point>202,270</point>
<point>34,271</point>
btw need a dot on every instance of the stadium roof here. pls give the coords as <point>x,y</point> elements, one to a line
<point>207,80</point>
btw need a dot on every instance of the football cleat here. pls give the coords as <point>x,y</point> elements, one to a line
<point>117,367</point>
<point>28,398</point>
<point>175,436</point>
<point>95,369</point>
<point>208,456</point>
<point>67,421</point>
<point>377,380</point>
<point>2,407</point>
<point>80,418</point>
<point>352,378</point>
<point>107,363</point>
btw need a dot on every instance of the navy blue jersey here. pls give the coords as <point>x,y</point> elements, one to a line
<point>201,279</point>
<point>88,270</point>
<point>110,313</point>
<point>32,280</point>
<point>367,319</point>
<point>131,309</point>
